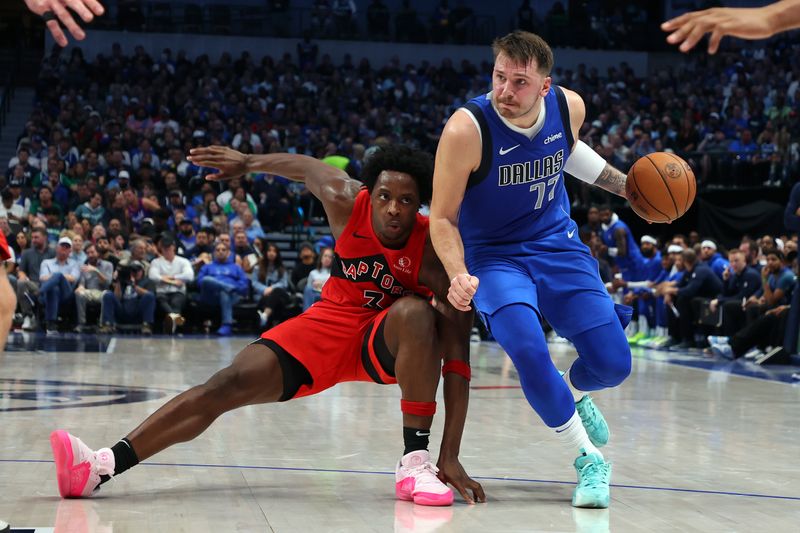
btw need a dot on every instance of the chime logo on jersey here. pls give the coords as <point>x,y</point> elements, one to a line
<point>528,171</point>
<point>374,269</point>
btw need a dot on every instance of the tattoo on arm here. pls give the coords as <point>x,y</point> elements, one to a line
<point>612,180</point>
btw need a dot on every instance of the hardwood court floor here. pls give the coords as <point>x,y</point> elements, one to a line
<point>694,449</point>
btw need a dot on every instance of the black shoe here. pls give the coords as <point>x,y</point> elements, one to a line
<point>52,328</point>
<point>147,329</point>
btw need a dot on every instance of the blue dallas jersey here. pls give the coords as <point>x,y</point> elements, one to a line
<point>517,194</point>
<point>628,265</point>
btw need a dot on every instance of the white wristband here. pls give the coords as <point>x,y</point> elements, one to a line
<point>584,163</point>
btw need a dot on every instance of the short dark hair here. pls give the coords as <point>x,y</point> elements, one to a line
<point>401,158</point>
<point>522,47</point>
<point>774,251</point>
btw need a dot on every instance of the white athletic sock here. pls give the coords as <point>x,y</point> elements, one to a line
<point>576,394</point>
<point>573,434</point>
<point>643,326</point>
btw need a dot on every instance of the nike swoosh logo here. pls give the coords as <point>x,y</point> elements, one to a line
<point>423,434</point>
<point>570,233</point>
<point>563,430</point>
<point>504,151</point>
<point>357,236</point>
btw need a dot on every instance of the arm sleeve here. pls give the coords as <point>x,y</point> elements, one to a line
<point>44,270</point>
<point>282,283</point>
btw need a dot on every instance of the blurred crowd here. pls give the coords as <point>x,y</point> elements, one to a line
<point>690,294</point>
<point>101,167</point>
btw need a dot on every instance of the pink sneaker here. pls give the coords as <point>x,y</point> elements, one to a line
<point>415,480</point>
<point>78,468</point>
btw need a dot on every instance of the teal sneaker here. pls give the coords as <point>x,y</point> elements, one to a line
<point>594,476</point>
<point>593,421</point>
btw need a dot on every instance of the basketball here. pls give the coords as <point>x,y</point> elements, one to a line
<point>660,187</point>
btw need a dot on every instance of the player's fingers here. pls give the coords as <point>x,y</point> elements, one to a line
<point>217,177</point>
<point>676,22</point>
<point>80,8</point>
<point>477,490</point>
<point>96,7</point>
<point>714,40</point>
<point>463,296</point>
<point>57,32</point>
<point>456,303</point>
<point>463,491</point>
<point>465,285</point>
<point>66,19</point>
<point>694,37</point>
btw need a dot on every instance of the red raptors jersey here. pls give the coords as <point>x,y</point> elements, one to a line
<point>365,273</point>
<point>4,253</point>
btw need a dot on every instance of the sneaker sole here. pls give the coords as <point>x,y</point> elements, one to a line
<point>434,500</point>
<point>63,455</point>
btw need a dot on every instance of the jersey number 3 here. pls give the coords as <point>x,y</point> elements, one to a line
<point>541,190</point>
<point>373,299</point>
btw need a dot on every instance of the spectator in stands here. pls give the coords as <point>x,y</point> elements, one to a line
<point>202,251</point>
<point>138,252</point>
<point>19,244</point>
<point>777,282</point>
<point>739,282</point>
<point>104,251</point>
<point>78,253</point>
<point>15,186</point>
<point>222,283</point>
<point>10,210</point>
<point>186,234</point>
<point>96,276</point>
<point>270,281</point>
<point>132,300</point>
<point>244,254</point>
<point>30,264</point>
<point>251,226</point>
<point>171,273</point>
<point>212,211</point>
<point>59,277</point>
<point>92,210</point>
<point>698,283</point>
<point>312,292</point>
<point>711,257</point>
<point>308,261</point>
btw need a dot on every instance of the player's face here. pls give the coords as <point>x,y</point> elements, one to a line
<point>395,202</point>
<point>517,89</point>
<point>605,216</point>
<point>706,252</point>
<point>774,263</point>
<point>737,262</point>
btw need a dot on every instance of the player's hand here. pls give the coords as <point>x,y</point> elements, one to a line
<point>689,28</point>
<point>228,162</point>
<point>86,9</point>
<point>451,471</point>
<point>712,305</point>
<point>462,288</point>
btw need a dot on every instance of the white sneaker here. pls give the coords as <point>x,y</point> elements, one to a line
<point>754,353</point>
<point>4,527</point>
<point>415,480</point>
<point>28,324</point>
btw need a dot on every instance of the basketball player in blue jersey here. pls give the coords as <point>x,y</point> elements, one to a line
<point>500,224</point>
<point>621,244</point>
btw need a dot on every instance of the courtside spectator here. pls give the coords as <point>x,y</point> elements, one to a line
<point>222,283</point>
<point>59,277</point>
<point>96,277</point>
<point>171,273</point>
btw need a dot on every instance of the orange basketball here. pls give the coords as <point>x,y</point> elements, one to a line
<point>660,187</point>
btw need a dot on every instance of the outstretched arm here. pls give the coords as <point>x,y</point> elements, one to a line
<point>86,9</point>
<point>453,329</point>
<point>746,23</point>
<point>332,186</point>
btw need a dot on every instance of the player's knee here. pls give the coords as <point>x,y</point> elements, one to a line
<point>222,386</point>
<point>416,315</point>
<point>617,369</point>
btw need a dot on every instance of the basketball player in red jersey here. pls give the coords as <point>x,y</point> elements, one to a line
<point>374,323</point>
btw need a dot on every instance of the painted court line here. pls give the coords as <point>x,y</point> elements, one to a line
<point>492,478</point>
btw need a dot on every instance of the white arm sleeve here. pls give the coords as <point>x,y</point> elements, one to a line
<point>584,163</point>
